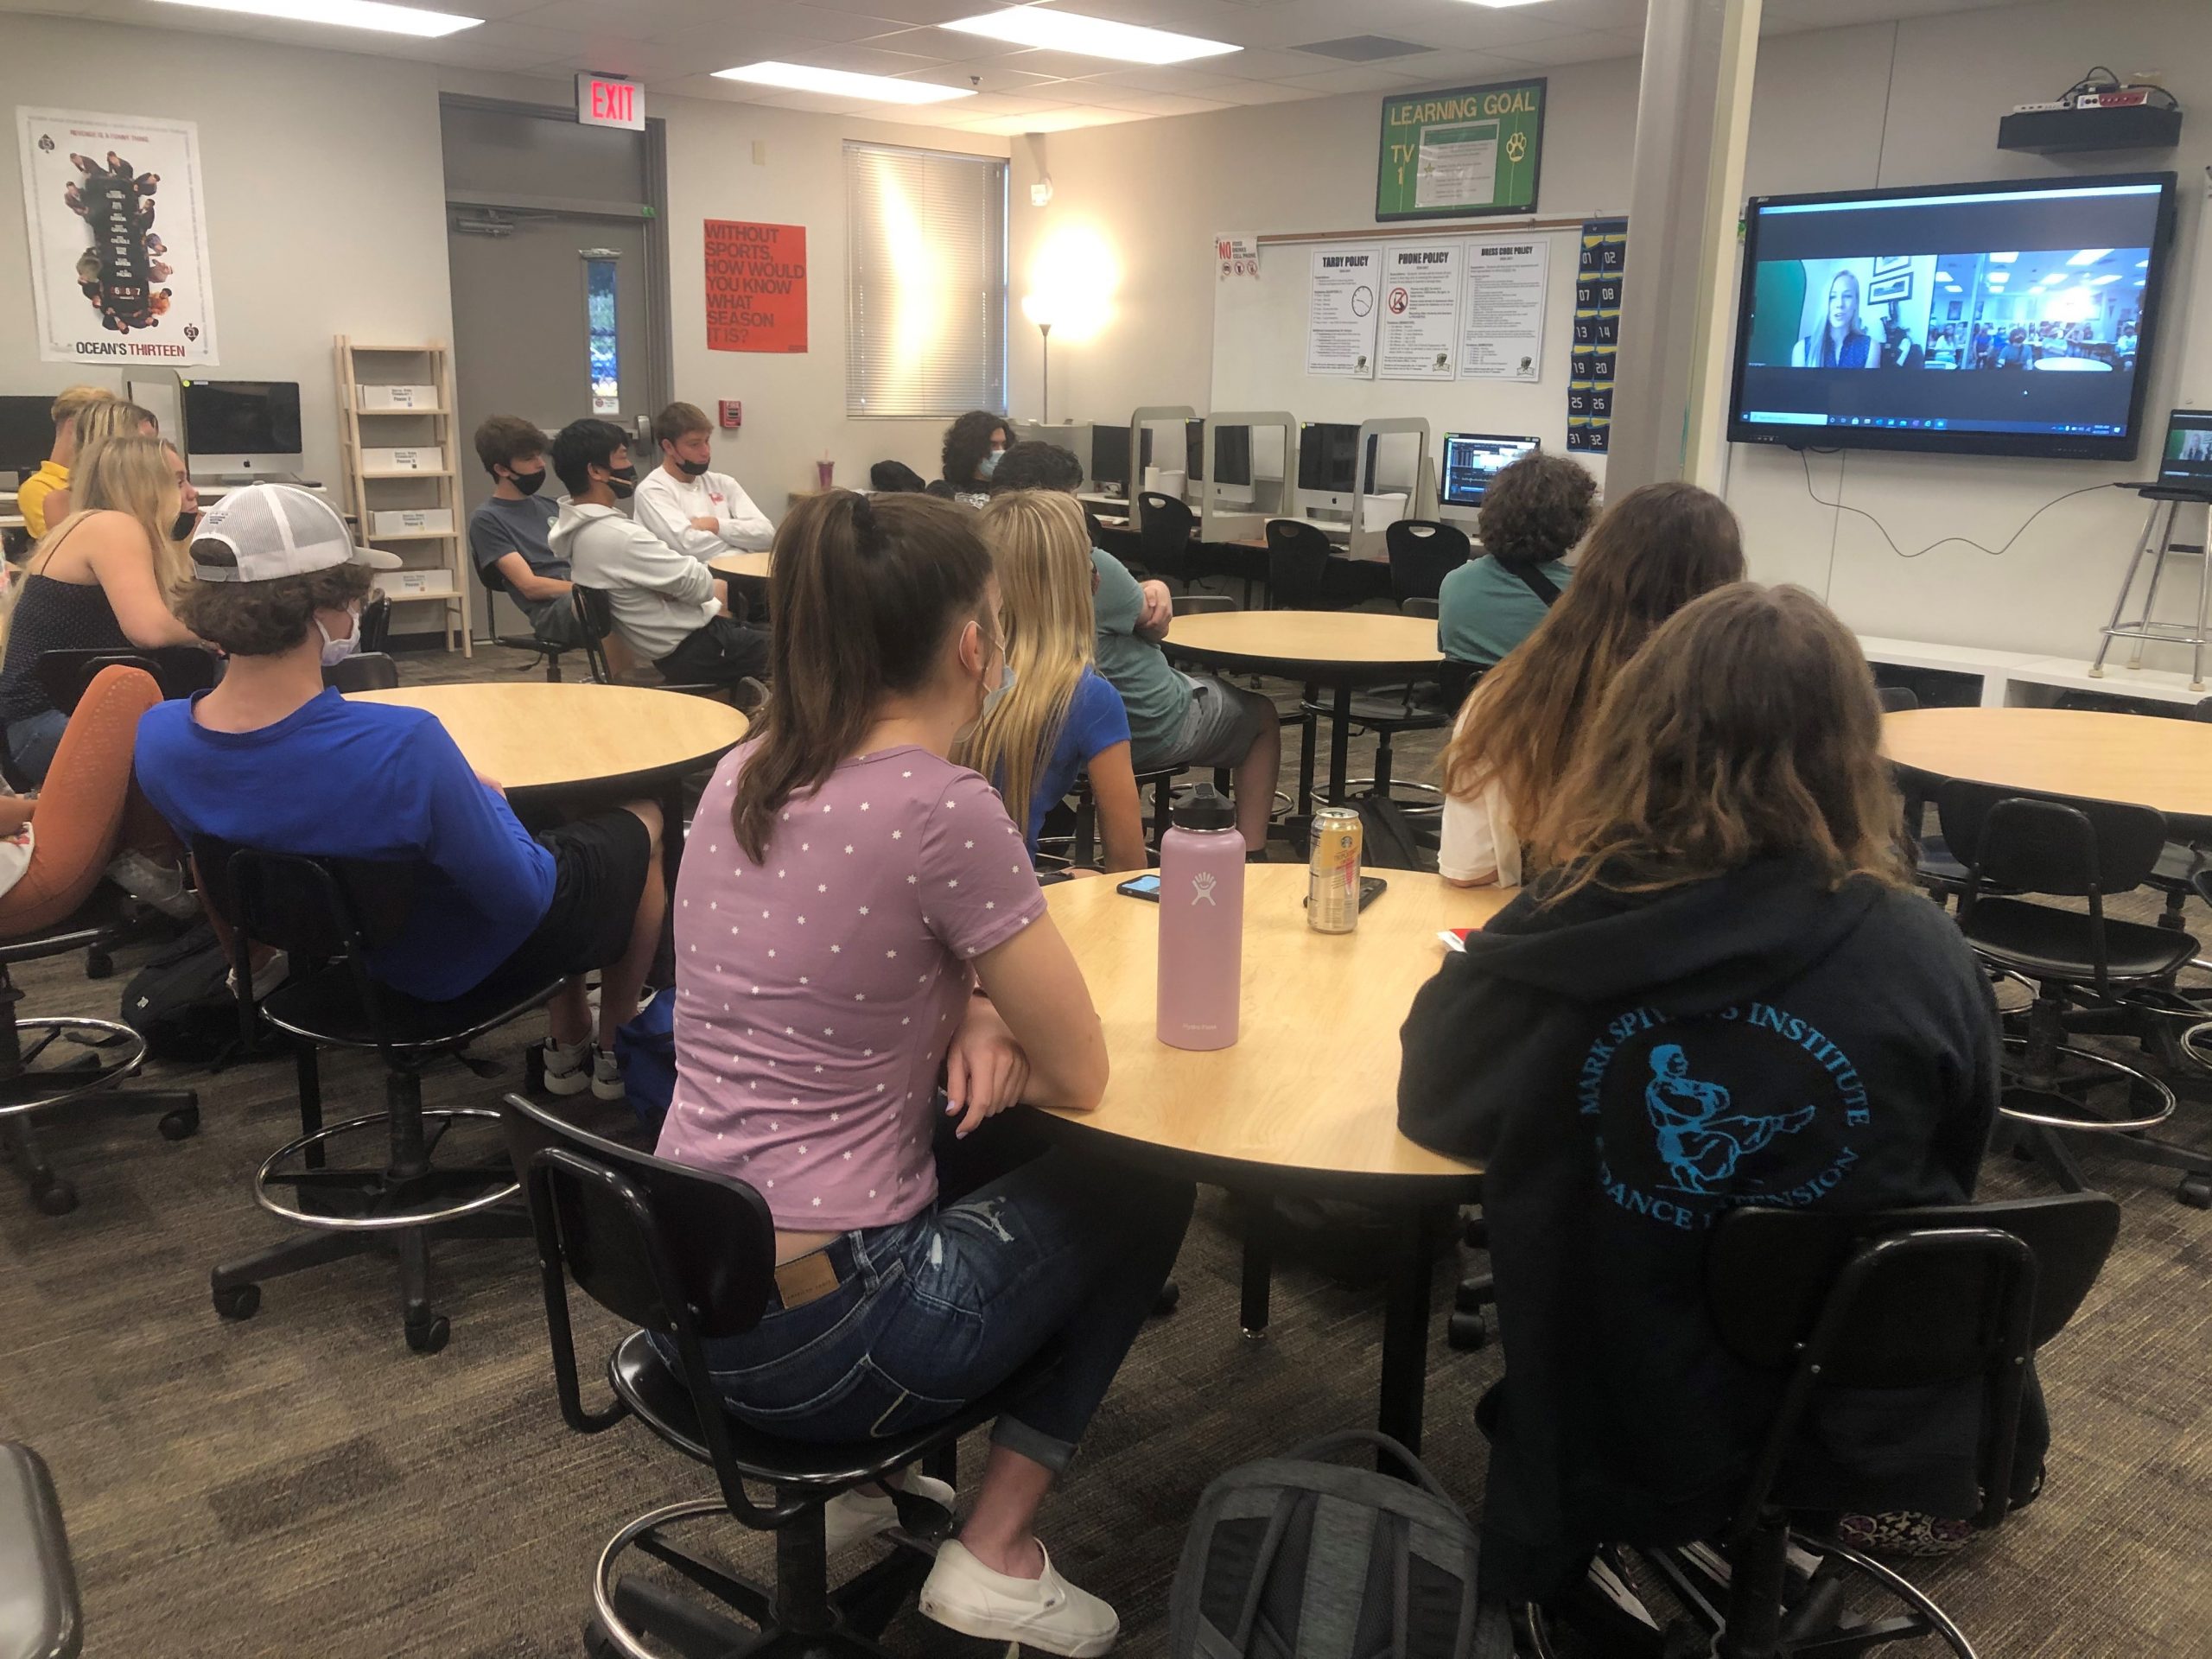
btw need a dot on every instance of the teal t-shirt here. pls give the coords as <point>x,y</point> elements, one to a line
<point>1156,696</point>
<point>1484,610</point>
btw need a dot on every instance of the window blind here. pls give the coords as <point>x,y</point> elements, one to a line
<point>925,282</point>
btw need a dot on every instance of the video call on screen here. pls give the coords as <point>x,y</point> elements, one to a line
<point>1966,313</point>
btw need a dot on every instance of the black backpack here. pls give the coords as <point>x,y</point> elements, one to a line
<point>180,1002</point>
<point>1292,1558</point>
<point>1386,840</point>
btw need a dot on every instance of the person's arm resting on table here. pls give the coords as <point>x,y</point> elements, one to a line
<point>1035,998</point>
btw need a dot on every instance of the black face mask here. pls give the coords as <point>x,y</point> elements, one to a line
<point>528,483</point>
<point>188,520</point>
<point>690,468</point>
<point>623,481</point>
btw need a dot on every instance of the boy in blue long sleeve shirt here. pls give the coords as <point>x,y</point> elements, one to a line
<point>272,759</point>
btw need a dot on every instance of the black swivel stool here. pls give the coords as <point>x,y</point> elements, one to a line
<point>540,651</point>
<point>2086,967</point>
<point>689,1256</point>
<point>1899,1299</point>
<point>101,1055</point>
<point>327,914</point>
<point>365,670</point>
<point>40,1616</point>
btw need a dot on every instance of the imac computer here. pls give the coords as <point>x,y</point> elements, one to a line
<point>1232,466</point>
<point>247,429</point>
<point>1110,458</point>
<point>1328,467</point>
<point>26,433</point>
<point>1472,459</point>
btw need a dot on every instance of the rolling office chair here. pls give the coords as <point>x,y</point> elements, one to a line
<point>540,651</point>
<point>92,1078</point>
<point>1165,538</point>
<point>1423,551</point>
<point>689,1255</point>
<point>1898,1299</point>
<point>39,1615</point>
<point>327,914</point>
<point>2111,970</point>
<point>365,670</point>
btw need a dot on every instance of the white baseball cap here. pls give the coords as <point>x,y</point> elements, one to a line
<point>274,530</point>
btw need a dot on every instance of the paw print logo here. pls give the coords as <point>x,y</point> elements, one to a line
<point>192,331</point>
<point>46,143</point>
<point>1516,147</point>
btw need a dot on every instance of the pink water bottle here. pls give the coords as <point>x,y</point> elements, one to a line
<point>1201,923</point>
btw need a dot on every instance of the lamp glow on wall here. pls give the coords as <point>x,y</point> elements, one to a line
<point>1072,276</point>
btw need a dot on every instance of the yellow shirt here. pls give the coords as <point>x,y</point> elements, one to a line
<point>31,493</point>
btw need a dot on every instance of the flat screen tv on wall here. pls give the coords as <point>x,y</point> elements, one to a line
<point>2014,318</point>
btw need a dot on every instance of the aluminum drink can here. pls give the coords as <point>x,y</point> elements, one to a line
<point>1332,877</point>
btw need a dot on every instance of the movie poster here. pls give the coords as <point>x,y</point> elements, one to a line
<point>118,238</point>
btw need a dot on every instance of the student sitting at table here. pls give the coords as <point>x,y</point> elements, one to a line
<point>1533,514</point>
<point>100,581</point>
<point>1175,719</point>
<point>107,418</point>
<point>1724,990</point>
<point>272,760</point>
<point>692,508</point>
<point>972,445</point>
<point>856,918</point>
<point>1062,716</point>
<point>509,537</point>
<point>669,608</point>
<point>1655,550</point>
<point>53,473</point>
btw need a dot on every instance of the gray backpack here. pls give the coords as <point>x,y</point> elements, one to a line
<point>1291,1558</point>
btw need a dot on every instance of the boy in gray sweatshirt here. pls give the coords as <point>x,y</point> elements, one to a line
<point>669,608</point>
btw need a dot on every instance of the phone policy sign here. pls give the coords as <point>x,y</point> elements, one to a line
<point>609,101</point>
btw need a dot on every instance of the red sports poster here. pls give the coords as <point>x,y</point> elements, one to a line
<point>756,287</point>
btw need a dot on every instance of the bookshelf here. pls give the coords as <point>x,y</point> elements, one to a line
<point>397,429</point>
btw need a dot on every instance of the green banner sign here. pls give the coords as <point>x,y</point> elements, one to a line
<point>1461,154</point>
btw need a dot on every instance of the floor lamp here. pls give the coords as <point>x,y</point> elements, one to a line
<point>1038,311</point>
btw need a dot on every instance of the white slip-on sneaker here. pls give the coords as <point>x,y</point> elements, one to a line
<point>1047,1613</point>
<point>568,1067</point>
<point>850,1517</point>
<point>607,1077</point>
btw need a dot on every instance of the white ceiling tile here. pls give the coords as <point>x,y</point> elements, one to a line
<point>1577,48</point>
<point>1191,80</point>
<point>943,45</point>
<point>649,19</point>
<point>863,59</point>
<point>1352,78</point>
<point>906,13</point>
<point>987,78</point>
<point>1256,92</point>
<point>1065,120</point>
<point>1118,98</point>
<point>823,23</point>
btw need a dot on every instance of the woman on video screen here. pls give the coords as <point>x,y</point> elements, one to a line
<point>1843,344</point>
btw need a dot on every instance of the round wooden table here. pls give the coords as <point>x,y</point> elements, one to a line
<point>571,739</point>
<point>746,567</point>
<point>1342,650</point>
<point>2139,759</point>
<point>1306,1100</point>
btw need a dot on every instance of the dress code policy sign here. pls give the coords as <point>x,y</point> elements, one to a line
<point>756,287</point>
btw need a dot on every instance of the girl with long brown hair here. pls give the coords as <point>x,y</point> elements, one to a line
<point>855,917</point>
<point>101,579</point>
<point>1655,550</point>
<point>1724,991</point>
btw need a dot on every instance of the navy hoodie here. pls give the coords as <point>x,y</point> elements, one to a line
<point>1628,1066</point>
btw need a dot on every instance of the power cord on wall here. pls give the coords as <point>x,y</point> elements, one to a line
<point>1839,505</point>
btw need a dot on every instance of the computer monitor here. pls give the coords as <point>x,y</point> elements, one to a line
<point>249,427</point>
<point>1232,456</point>
<point>1328,457</point>
<point>2187,462</point>
<point>1110,457</point>
<point>1472,459</point>
<point>26,433</point>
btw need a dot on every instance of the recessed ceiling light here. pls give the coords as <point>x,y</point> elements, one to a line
<point>1500,5</point>
<point>843,83</point>
<point>345,14</point>
<point>2002,258</point>
<point>2098,282</point>
<point>1089,37</point>
<point>2000,276</point>
<point>2088,256</point>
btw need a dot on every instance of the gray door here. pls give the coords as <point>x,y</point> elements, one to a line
<point>550,323</point>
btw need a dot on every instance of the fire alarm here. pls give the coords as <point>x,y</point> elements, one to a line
<point>732,415</point>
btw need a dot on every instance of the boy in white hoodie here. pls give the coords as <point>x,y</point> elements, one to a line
<point>683,501</point>
<point>669,608</point>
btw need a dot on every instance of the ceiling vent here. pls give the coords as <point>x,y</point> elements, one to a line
<point>1364,49</point>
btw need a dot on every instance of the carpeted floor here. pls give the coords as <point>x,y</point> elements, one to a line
<point>301,1484</point>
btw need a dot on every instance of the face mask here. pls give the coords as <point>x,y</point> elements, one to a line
<point>188,520</point>
<point>335,651</point>
<point>990,463</point>
<point>690,468</point>
<point>622,481</point>
<point>528,483</point>
<point>992,696</point>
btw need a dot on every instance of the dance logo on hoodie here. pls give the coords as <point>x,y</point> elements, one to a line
<point>1748,1105</point>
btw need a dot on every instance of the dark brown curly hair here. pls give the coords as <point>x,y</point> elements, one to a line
<point>262,619</point>
<point>1536,509</point>
<point>967,441</point>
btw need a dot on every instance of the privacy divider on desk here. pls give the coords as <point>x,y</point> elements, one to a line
<point>1151,413</point>
<point>1366,541</point>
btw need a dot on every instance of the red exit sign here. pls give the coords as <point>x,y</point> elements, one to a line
<point>604,101</point>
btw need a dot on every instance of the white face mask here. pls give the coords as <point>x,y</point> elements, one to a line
<point>335,651</point>
<point>992,694</point>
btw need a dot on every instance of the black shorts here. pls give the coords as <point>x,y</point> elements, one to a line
<point>718,653</point>
<point>600,866</point>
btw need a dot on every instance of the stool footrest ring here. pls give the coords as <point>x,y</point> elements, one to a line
<point>396,1220</point>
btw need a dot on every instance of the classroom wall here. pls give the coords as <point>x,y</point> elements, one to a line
<point>326,197</point>
<point>1906,103</point>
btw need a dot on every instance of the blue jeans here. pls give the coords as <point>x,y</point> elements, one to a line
<point>931,1313</point>
<point>33,740</point>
